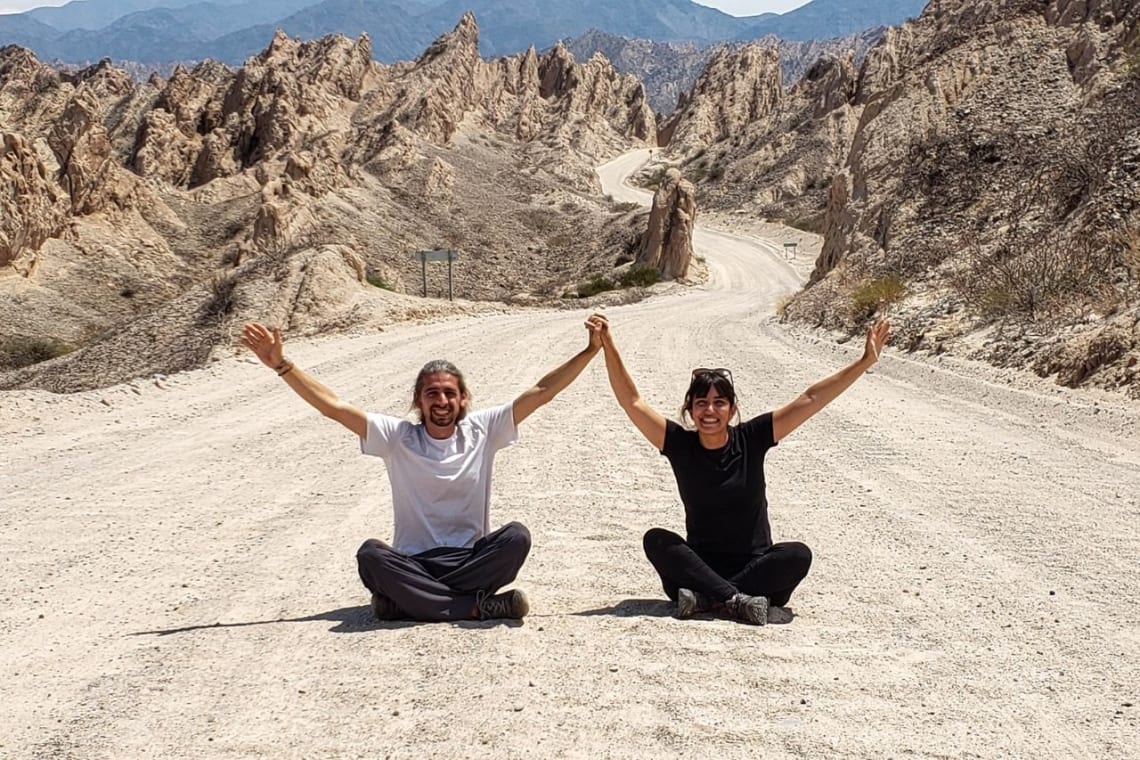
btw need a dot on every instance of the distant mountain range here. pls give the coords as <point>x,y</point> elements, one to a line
<point>668,69</point>
<point>164,31</point>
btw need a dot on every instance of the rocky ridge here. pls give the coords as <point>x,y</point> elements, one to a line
<point>669,70</point>
<point>156,216</point>
<point>976,177</point>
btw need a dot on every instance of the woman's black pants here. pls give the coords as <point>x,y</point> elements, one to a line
<point>773,572</point>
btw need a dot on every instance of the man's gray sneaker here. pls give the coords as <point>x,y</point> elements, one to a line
<point>691,603</point>
<point>748,609</point>
<point>511,604</point>
<point>385,609</point>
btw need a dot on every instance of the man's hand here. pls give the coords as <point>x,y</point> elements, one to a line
<point>877,336</point>
<point>267,345</point>
<point>599,328</point>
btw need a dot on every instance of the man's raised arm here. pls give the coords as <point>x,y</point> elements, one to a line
<point>553,382</point>
<point>269,348</point>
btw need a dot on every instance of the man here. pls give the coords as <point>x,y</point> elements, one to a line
<point>444,563</point>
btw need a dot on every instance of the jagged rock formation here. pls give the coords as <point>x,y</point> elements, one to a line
<point>669,70</point>
<point>736,88</point>
<point>668,240</point>
<point>979,173</point>
<point>31,207</point>
<point>297,186</point>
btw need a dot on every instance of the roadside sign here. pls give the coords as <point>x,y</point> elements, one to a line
<point>437,255</point>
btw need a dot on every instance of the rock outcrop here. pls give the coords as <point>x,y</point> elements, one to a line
<point>737,87</point>
<point>668,241</point>
<point>32,209</point>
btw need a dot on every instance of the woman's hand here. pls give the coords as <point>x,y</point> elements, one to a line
<point>267,345</point>
<point>599,328</point>
<point>877,336</point>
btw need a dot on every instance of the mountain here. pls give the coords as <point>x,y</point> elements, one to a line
<point>232,30</point>
<point>512,25</point>
<point>668,69</point>
<point>825,19</point>
<point>387,23</point>
<point>96,14</point>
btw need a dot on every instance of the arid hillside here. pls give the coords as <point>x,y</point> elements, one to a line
<point>143,221</point>
<point>977,177</point>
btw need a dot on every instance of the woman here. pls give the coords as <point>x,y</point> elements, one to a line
<point>728,562</point>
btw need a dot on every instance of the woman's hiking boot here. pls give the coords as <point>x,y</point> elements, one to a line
<point>691,603</point>
<point>747,609</point>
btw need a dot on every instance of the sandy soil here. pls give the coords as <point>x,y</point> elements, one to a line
<point>179,579</point>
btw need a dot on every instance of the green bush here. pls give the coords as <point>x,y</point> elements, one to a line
<point>596,284</point>
<point>639,275</point>
<point>377,281</point>
<point>872,295</point>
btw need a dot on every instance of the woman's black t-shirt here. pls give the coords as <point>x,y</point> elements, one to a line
<point>726,509</point>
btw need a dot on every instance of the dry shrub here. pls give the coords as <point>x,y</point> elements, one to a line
<point>1037,276</point>
<point>221,299</point>
<point>871,296</point>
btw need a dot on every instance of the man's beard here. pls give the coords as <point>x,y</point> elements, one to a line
<point>445,417</point>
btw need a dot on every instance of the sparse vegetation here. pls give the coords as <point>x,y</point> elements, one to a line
<point>596,284</point>
<point>639,275</point>
<point>783,304</point>
<point>1037,277</point>
<point>622,208</point>
<point>817,183</point>
<point>20,351</point>
<point>629,249</point>
<point>376,281</point>
<point>654,179</point>
<point>221,301</point>
<point>873,295</point>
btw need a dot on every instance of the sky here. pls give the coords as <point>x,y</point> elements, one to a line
<point>751,7</point>
<point>732,7</point>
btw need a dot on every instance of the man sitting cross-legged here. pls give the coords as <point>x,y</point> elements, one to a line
<point>444,562</point>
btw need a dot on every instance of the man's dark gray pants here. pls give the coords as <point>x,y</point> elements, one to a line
<point>443,583</point>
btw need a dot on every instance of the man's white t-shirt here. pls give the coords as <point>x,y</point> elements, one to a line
<point>441,489</point>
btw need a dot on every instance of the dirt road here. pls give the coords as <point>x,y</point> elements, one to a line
<point>179,579</point>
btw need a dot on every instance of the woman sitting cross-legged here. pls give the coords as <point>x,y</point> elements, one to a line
<point>727,563</point>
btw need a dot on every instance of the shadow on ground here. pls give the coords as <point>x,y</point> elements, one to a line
<point>347,619</point>
<point>634,608</point>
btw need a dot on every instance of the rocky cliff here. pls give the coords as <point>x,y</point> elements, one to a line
<point>150,218</point>
<point>977,177</point>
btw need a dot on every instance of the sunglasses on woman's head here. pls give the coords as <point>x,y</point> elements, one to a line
<point>721,371</point>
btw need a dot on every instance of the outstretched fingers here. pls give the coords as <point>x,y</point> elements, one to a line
<point>877,336</point>
<point>258,338</point>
